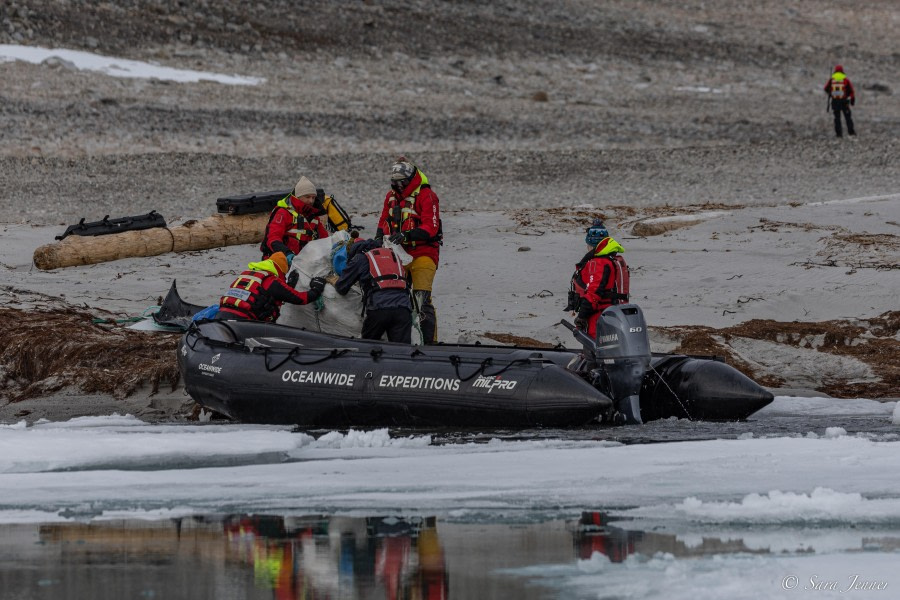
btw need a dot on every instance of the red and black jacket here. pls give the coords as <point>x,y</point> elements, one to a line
<point>291,226</point>
<point>414,212</point>
<point>840,89</point>
<point>600,282</point>
<point>258,295</point>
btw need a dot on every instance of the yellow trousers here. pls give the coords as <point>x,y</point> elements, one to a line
<point>422,270</point>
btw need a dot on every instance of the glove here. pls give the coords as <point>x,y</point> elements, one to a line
<point>290,258</point>
<point>581,321</point>
<point>379,234</point>
<point>293,278</point>
<point>398,238</point>
<point>572,303</point>
<point>852,101</point>
<point>317,285</point>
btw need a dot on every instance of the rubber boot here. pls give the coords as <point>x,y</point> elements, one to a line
<point>427,316</point>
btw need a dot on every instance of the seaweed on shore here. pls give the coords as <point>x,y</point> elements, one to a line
<point>45,350</point>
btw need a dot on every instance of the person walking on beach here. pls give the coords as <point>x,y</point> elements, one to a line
<point>601,278</point>
<point>411,218</point>
<point>386,300</point>
<point>294,222</point>
<point>258,293</point>
<point>843,96</point>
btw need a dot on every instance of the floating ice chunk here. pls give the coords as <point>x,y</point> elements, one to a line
<point>822,504</point>
<point>379,438</point>
<point>597,563</point>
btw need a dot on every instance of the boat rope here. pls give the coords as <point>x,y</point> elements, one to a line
<point>194,336</point>
<point>665,383</point>
<point>318,307</point>
<point>335,353</point>
<point>456,361</point>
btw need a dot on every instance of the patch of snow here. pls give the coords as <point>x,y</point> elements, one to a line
<point>116,67</point>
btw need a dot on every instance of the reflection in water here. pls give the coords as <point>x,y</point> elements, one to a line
<point>322,557</point>
<point>595,533</point>
<point>274,557</point>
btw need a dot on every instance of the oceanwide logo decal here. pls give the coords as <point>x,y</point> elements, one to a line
<point>321,377</point>
<point>209,369</point>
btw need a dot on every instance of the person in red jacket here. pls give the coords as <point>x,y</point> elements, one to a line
<point>843,96</point>
<point>411,217</point>
<point>258,293</point>
<point>600,281</point>
<point>294,222</point>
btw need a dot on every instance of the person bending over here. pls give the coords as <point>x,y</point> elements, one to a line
<point>386,299</point>
<point>258,293</point>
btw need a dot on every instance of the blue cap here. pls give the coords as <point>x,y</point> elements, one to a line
<point>596,232</point>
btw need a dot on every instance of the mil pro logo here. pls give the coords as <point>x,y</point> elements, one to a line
<point>494,382</point>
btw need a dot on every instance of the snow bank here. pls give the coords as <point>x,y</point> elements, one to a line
<point>822,504</point>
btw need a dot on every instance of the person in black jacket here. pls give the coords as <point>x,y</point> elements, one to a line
<point>385,288</point>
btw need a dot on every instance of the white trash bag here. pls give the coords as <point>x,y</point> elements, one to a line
<point>332,313</point>
<point>339,315</point>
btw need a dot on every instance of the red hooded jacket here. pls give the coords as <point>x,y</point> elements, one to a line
<point>415,212</point>
<point>292,225</point>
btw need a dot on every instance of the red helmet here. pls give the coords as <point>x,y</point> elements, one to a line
<point>838,69</point>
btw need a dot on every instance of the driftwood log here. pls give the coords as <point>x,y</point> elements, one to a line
<point>212,232</point>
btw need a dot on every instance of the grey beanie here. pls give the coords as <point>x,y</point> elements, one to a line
<point>304,187</point>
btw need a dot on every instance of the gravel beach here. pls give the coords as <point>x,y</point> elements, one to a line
<point>528,117</point>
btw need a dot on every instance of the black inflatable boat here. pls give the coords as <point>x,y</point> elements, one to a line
<point>263,373</point>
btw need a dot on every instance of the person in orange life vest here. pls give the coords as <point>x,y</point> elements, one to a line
<point>258,293</point>
<point>295,221</point>
<point>601,280</point>
<point>843,96</point>
<point>411,217</point>
<point>385,290</point>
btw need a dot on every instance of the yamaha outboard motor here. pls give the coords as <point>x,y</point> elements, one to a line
<point>623,356</point>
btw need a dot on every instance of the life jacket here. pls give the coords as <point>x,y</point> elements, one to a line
<point>247,298</point>
<point>838,86</point>
<point>338,219</point>
<point>617,288</point>
<point>402,215</point>
<point>386,270</point>
<point>623,281</point>
<point>302,228</point>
